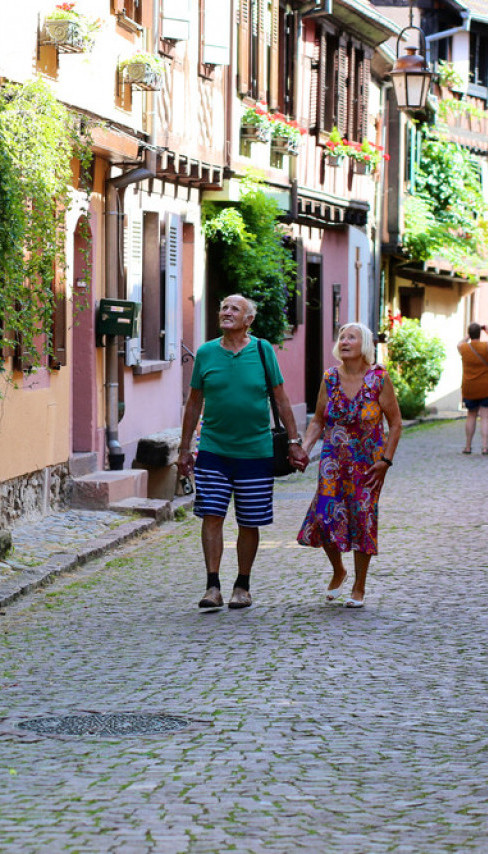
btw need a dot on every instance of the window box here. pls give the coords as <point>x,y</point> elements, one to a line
<point>65,33</point>
<point>361,167</point>
<point>255,133</point>
<point>285,145</point>
<point>334,160</point>
<point>144,71</point>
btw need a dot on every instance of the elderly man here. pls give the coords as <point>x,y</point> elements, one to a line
<point>235,450</point>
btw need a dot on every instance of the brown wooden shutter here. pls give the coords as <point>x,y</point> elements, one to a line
<point>330,81</point>
<point>243,73</point>
<point>146,12</point>
<point>58,357</point>
<point>364,95</point>
<point>322,62</point>
<point>262,52</point>
<point>351,125</point>
<point>314,85</point>
<point>118,6</point>
<point>341,93</point>
<point>274,55</point>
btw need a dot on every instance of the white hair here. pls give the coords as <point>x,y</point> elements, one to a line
<point>251,305</point>
<point>367,344</point>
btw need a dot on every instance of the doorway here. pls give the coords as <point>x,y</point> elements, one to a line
<point>314,327</point>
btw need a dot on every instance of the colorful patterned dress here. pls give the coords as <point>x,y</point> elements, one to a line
<point>344,512</point>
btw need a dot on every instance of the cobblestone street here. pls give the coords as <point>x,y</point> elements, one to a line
<point>313,728</point>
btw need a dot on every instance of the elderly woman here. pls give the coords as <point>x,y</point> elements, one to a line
<point>355,457</point>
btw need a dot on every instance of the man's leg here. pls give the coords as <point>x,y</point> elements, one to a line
<point>247,546</point>
<point>213,547</point>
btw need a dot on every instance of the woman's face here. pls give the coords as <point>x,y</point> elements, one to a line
<point>350,343</point>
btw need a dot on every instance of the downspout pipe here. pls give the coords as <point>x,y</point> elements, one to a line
<point>114,217</point>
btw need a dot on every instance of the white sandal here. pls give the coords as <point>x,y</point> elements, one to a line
<point>336,591</point>
<point>354,603</point>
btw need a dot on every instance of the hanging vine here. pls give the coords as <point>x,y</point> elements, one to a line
<point>253,255</point>
<point>39,138</point>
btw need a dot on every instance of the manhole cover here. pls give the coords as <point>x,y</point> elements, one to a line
<point>125,723</point>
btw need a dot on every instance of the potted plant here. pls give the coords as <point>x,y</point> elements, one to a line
<point>286,134</point>
<point>143,70</point>
<point>65,27</point>
<point>449,78</point>
<point>256,123</point>
<point>334,148</point>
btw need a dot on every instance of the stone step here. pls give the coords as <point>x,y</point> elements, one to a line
<point>100,489</point>
<point>83,463</point>
<point>155,508</point>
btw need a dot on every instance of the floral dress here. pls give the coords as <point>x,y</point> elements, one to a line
<point>344,512</point>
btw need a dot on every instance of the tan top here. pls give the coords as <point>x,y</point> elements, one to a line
<point>475,371</point>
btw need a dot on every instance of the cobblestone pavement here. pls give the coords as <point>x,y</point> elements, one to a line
<point>314,728</point>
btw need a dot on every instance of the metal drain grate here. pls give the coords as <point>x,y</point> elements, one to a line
<point>117,723</point>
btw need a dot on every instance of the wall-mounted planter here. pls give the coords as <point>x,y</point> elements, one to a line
<point>65,35</point>
<point>255,133</point>
<point>142,76</point>
<point>361,167</point>
<point>335,160</point>
<point>285,145</point>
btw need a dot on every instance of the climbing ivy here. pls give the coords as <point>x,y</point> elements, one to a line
<point>39,138</point>
<point>446,216</point>
<point>253,255</point>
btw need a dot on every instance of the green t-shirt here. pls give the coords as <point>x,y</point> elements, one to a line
<point>236,420</point>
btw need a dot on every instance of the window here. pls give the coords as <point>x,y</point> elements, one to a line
<point>336,310</point>
<point>259,67</point>
<point>214,35</point>
<point>175,20</point>
<point>340,85</point>
<point>478,61</point>
<point>129,13</point>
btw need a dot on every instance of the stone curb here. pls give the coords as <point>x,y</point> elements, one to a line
<point>27,580</point>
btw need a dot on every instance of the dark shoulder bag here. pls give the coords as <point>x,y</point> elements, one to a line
<point>280,436</point>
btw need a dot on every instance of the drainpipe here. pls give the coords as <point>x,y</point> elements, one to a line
<point>435,37</point>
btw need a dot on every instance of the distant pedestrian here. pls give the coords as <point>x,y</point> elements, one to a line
<point>474,389</point>
<point>235,448</point>
<point>355,456</point>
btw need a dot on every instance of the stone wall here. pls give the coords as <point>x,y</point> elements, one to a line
<point>35,494</point>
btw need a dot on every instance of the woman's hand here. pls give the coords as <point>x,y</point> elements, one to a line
<point>298,457</point>
<point>375,475</point>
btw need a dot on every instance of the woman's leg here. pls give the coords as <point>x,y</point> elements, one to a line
<point>484,428</point>
<point>339,572</point>
<point>470,427</point>
<point>361,564</point>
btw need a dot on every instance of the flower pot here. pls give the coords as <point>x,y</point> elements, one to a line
<point>335,160</point>
<point>361,167</point>
<point>141,75</point>
<point>64,33</point>
<point>285,145</point>
<point>255,133</point>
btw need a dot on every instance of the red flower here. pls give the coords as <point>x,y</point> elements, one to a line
<point>66,7</point>
<point>386,156</point>
<point>278,117</point>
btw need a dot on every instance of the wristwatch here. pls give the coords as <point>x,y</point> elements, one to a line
<point>297,441</point>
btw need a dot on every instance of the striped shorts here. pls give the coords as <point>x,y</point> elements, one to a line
<point>251,481</point>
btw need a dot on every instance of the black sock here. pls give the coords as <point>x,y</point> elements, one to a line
<point>213,580</point>
<point>242,581</point>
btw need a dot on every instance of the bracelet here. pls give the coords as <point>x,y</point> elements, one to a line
<point>297,441</point>
<point>387,461</point>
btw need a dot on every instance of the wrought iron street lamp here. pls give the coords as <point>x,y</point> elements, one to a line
<point>411,74</point>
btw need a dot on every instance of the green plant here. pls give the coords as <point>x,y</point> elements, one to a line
<point>414,363</point>
<point>448,76</point>
<point>363,152</point>
<point>38,139</point>
<point>257,116</point>
<point>446,217</point>
<point>154,62</point>
<point>286,128</point>
<point>252,255</point>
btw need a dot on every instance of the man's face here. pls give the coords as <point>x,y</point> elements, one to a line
<point>233,314</point>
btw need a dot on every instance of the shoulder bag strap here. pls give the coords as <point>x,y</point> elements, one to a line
<point>272,400</point>
<point>478,354</point>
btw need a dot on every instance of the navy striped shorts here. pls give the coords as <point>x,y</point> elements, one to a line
<point>251,481</point>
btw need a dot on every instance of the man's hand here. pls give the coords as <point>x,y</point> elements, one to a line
<point>186,463</point>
